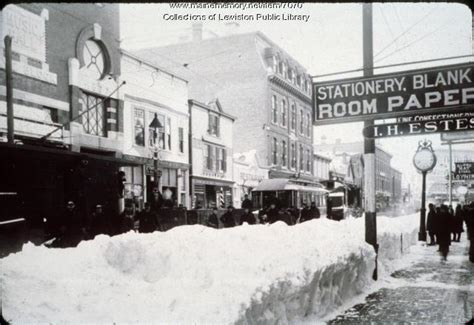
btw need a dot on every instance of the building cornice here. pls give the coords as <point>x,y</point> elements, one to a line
<point>208,108</point>
<point>290,88</point>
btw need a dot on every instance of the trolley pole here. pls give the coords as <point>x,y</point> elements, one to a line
<point>369,143</point>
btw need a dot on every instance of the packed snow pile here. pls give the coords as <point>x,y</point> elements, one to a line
<point>194,274</point>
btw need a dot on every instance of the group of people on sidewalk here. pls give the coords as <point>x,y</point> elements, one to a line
<point>445,225</point>
<point>73,228</point>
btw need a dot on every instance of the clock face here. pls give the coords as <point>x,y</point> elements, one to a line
<point>424,160</point>
<point>94,58</point>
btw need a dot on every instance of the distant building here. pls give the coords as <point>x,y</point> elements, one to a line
<point>260,84</point>
<point>211,155</point>
<point>152,90</point>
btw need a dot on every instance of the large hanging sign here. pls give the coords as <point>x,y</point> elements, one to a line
<point>423,124</point>
<point>394,95</point>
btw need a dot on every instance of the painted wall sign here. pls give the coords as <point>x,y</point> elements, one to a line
<point>423,124</point>
<point>27,30</point>
<point>394,94</point>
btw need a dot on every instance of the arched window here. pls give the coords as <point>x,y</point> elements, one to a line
<point>301,121</point>
<point>293,156</point>
<point>308,160</point>
<point>293,117</point>
<point>283,112</point>
<point>274,109</point>
<point>274,152</point>
<point>301,157</point>
<point>308,125</point>
<point>283,153</point>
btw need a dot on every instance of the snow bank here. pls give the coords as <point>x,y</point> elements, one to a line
<point>194,274</point>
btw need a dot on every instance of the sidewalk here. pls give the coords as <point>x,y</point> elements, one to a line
<point>426,292</point>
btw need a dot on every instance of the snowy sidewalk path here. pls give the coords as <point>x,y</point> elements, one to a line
<point>426,292</point>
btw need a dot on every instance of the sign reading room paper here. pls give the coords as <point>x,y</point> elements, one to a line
<point>394,94</point>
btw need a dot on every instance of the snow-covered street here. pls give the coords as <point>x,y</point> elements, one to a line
<point>194,274</point>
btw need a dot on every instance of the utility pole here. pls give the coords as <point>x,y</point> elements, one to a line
<point>369,143</point>
<point>9,91</point>
<point>450,177</point>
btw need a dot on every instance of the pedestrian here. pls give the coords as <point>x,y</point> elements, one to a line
<point>227,218</point>
<point>247,203</point>
<point>469,220</point>
<point>430,224</point>
<point>305,213</point>
<point>147,220</point>
<point>99,222</point>
<point>443,231</point>
<point>247,217</point>
<point>72,230</point>
<point>314,211</point>
<point>127,219</point>
<point>273,214</point>
<point>294,214</point>
<point>329,208</point>
<point>458,220</point>
<point>262,215</point>
<point>213,221</point>
<point>451,214</point>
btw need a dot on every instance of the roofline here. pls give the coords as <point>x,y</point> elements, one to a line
<point>151,64</point>
<point>205,106</point>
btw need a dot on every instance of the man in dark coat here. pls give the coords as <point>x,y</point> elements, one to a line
<point>430,221</point>
<point>147,220</point>
<point>443,231</point>
<point>469,220</point>
<point>247,217</point>
<point>305,214</point>
<point>315,214</point>
<point>458,220</point>
<point>99,222</point>
<point>127,220</point>
<point>273,214</point>
<point>213,221</point>
<point>72,230</point>
<point>247,203</point>
<point>227,218</point>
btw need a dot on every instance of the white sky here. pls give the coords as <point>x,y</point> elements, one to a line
<point>331,41</point>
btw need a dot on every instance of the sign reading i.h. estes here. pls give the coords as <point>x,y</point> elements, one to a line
<point>394,95</point>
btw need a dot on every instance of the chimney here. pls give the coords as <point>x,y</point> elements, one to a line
<point>197,32</point>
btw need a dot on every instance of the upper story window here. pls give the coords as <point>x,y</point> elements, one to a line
<point>214,128</point>
<point>301,121</point>
<point>308,125</point>
<point>94,58</point>
<point>293,117</point>
<point>274,151</point>
<point>181,139</point>
<point>301,157</point>
<point>93,118</point>
<point>283,112</point>
<point>221,164</point>
<point>298,80</point>
<point>285,70</point>
<point>164,133</point>
<point>308,160</point>
<point>215,158</point>
<point>283,153</point>
<point>293,155</point>
<point>139,127</point>
<point>275,64</point>
<point>274,109</point>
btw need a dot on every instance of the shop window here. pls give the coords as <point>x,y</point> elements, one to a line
<point>139,127</point>
<point>274,109</point>
<point>283,153</point>
<point>93,118</point>
<point>293,117</point>
<point>181,140</point>
<point>164,133</point>
<point>283,112</point>
<point>274,151</point>
<point>213,128</point>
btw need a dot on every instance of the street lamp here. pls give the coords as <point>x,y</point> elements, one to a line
<point>156,126</point>
<point>424,160</point>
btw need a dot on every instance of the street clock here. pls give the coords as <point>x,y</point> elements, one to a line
<point>425,158</point>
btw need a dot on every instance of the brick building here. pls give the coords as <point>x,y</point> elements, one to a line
<point>66,77</point>
<point>260,84</point>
